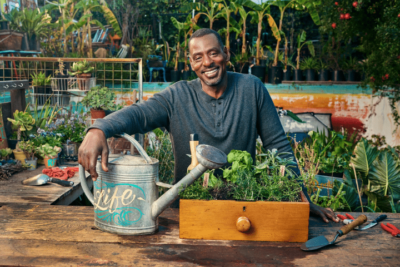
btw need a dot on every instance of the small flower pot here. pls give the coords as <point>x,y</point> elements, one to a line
<point>97,114</point>
<point>32,163</point>
<point>70,150</point>
<point>83,81</point>
<point>263,62</point>
<point>258,71</point>
<point>242,68</point>
<point>19,156</point>
<point>50,162</point>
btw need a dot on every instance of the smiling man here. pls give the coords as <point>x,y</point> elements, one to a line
<point>227,110</point>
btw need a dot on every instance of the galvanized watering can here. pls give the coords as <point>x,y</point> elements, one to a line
<point>125,198</point>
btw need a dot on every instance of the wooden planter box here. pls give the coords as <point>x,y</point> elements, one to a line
<point>10,40</point>
<point>270,221</point>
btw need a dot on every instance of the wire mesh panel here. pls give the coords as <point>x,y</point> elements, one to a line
<point>72,84</point>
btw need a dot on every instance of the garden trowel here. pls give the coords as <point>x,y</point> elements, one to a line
<point>321,241</point>
<point>42,179</point>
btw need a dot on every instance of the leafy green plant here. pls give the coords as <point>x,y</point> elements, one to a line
<point>301,41</point>
<point>322,65</point>
<point>350,64</point>
<point>23,121</point>
<point>48,151</point>
<point>336,202</point>
<point>161,149</point>
<point>45,116</point>
<point>80,67</point>
<point>100,98</point>
<point>309,63</point>
<point>40,79</point>
<point>5,153</point>
<point>271,180</point>
<point>29,149</point>
<point>71,127</point>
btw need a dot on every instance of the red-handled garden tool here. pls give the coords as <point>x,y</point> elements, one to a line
<point>348,216</point>
<point>391,229</point>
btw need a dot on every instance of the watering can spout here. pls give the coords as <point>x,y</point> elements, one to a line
<point>209,158</point>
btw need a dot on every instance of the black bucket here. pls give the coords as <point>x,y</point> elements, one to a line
<point>287,76</point>
<point>310,75</point>
<point>242,68</point>
<point>323,75</point>
<point>175,75</point>
<point>337,75</point>
<point>258,71</point>
<point>350,75</point>
<point>186,75</point>
<point>263,62</point>
<point>298,75</point>
<point>181,66</point>
<point>276,75</point>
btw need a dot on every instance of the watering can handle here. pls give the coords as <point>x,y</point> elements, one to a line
<point>82,175</point>
<point>142,152</point>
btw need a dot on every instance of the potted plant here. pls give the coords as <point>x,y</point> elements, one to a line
<point>29,149</point>
<point>309,65</point>
<point>301,41</point>
<point>82,70</point>
<point>72,130</point>
<point>350,66</point>
<point>323,71</point>
<point>49,154</point>
<point>5,154</point>
<point>99,99</point>
<point>23,121</point>
<point>40,83</point>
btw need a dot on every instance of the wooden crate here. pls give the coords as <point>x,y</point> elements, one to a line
<point>270,221</point>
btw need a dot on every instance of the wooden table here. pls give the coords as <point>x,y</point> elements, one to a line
<point>13,191</point>
<point>65,236</point>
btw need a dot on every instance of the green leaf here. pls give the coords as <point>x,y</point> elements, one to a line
<point>365,154</point>
<point>384,176</point>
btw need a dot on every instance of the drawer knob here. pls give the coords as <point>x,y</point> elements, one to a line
<point>243,224</point>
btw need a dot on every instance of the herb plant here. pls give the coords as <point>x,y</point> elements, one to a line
<point>272,180</point>
<point>100,98</point>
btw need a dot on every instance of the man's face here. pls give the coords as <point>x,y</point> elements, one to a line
<point>208,59</point>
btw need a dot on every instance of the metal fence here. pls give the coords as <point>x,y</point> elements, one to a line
<point>114,73</point>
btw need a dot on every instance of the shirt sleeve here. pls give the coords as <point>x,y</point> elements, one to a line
<point>138,118</point>
<point>270,129</point>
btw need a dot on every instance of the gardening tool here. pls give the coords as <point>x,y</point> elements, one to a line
<point>347,217</point>
<point>391,229</point>
<point>194,142</point>
<point>321,241</point>
<point>125,198</point>
<point>370,225</point>
<point>42,179</point>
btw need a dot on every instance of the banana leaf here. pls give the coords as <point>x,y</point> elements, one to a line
<point>384,176</point>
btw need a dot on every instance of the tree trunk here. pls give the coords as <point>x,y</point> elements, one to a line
<point>286,53</point>
<point>177,55</point>
<point>125,24</point>
<point>258,40</point>
<point>211,23</point>
<point>227,43</point>
<point>298,58</point>
<point>278,41</point>
<point>244,39</point>
<point>89,30</point>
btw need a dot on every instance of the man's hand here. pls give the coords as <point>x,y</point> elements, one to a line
<point>94,145</point>
<point>325,214</point>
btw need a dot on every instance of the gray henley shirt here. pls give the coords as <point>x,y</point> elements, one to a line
<point>244,111</point>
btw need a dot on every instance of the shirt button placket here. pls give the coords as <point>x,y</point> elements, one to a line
<point>219,116</point>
